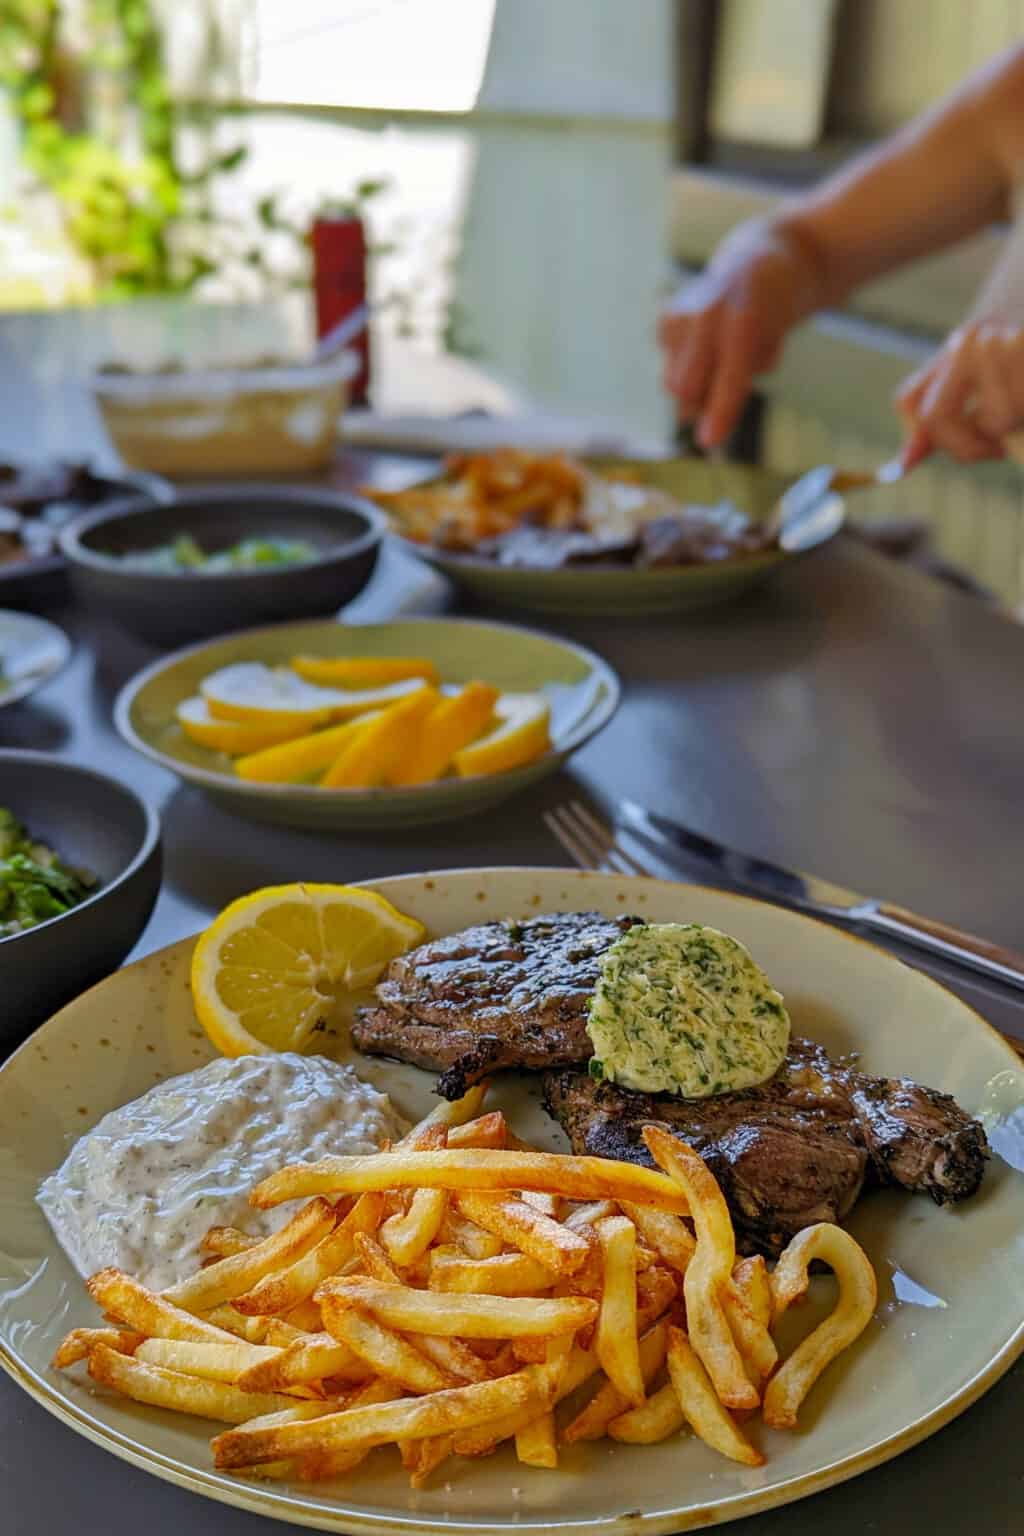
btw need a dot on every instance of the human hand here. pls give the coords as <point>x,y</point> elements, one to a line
<point>967,398</point>
<point>726,326</point>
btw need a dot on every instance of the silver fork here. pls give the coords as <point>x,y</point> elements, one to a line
<point>591,842</point>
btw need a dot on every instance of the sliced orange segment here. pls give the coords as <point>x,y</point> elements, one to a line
<point>271,968</point>
<point>452,724</point>
<point>251,691</point>
<point>521,736</point>
<point>364,671</point>
<point>373,755</point>
<point>235,737</point>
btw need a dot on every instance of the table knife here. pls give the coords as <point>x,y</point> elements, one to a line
<point>823,898</point>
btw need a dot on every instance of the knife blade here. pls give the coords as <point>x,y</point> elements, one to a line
<point>824,898</point>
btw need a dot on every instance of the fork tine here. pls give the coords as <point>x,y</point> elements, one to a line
<point>578,851</point>
<point>606,833</point>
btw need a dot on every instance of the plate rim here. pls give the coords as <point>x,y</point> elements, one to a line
<point>278,1505</point>
<point>313,794</point>
<point>59,638</point>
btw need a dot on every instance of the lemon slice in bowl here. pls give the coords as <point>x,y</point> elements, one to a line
<point>270,969</point>
<point>521,734</point>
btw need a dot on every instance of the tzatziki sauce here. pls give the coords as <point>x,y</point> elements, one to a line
<point>140,1190</point>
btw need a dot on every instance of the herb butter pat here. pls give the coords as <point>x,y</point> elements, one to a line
<point>683,1009</point>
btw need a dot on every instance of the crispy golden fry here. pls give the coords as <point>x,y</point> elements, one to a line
<point>432,1453</point>
<point>252,1329</point>
<point>171,1389</point>
<point>467,1238</point>
<point>578,1368</point>
<point>374,1260</point>
<point>529,1351</point>
<point>408,1236</point>
<point>668,1235</point>
<point>746,1298</point>
<point>147,1312</point>
<point>701,1408</point>
<point>858,1295</point>
<point>469,1317</point>
<point>655,1419</point>
<point>75,1346</point>
<point>228,1278</point>
<point>452,1356</point>
<point>490,1130</point>
<point>577,1178</point>
<point>515,1222</point>
<point>547,1204</point>
<point>608,1402</point>
<point>508,1274</point>
<point>310,1357</point>
<point>415,1418</point>
<point>316,1465</point>
<point>588,1215</point>
<point>305,1317</point>
<point>213,1362</point>
<point>448,1113</point>
<point>536,1445</point>
<point>288,1287</point>
<point>386,1352</point>
<point>615,1341</point>
<point>709,1270</point>
<point>225,1242</point>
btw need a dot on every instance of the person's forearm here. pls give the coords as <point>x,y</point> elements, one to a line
<point>943,177</point>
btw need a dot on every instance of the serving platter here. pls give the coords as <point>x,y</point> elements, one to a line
<point>582,690</point>
<point>623,591</point>
<point>950,1318</point>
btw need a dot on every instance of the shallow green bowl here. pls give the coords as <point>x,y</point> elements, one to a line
<point>582,689</point>
<point>624,591</point>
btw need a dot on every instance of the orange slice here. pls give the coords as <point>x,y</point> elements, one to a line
<point>521,736</point>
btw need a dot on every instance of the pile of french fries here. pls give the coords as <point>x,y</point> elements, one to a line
<point>483,495</point>
<point>445,1296</point>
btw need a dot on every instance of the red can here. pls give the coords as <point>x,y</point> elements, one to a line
<point>339,286</point>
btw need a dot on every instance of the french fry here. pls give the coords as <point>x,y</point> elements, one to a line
<point>665,1233</point>
<point>450,1354</point>
<point>432,1453</point>
<point>703,1411</point>
<point>655,1419</point>
<point>536,1445</point>
<point>386,1352</point>
<point>577,1178</point>
<point>288,1287</point>
<point>507,1274</point>
<point>76,1345</point>
<point>858,1295</point>
<point>252,1329</point>
<point>225,1242</point>
<point>708,1271</point>
<point>316,1465</point>
<point>579,1367</point>
<point>513,1220</point>
<point>310,1357</point>
<point>449,1113</point>
<point>184,1394</point>
<point>408,1236</point>
<point>488,1130</point>
<point>746,1298</point>
<point>615,1341</point>
<point>608,1402</point>
<point>468,1237</point>
<point>228,1278</point>
<point>589,1214</point>
<point>213,1362</point>
<point>374,1260</point>
<point>305,1317</point>
<point>147,1312</point>
<point>470,1317</point>
<point>415,1418</point>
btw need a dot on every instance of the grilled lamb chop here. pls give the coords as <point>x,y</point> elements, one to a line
<point>498,995</point>
<point>794,1150</point>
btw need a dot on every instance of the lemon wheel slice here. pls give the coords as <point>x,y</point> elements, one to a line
<point>270,970</point>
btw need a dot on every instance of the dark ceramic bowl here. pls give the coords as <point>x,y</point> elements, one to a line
<point>170,607</point>
<point>94,823</point>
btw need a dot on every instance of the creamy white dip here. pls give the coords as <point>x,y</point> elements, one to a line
<point>140,1190</point>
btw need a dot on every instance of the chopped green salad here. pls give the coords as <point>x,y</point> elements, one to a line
<point>34,884</point>
<point>185,554</point>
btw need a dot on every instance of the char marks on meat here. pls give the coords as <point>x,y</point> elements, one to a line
<point>498,995</point>
<point>795,1150</point>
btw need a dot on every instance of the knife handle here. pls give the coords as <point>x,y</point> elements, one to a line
<point>944,939</point>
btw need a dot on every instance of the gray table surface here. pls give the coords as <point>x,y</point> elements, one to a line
<point>855,718</point>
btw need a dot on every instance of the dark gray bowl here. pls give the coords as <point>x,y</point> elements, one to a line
<point>170,607</point>
<point>100,825</point>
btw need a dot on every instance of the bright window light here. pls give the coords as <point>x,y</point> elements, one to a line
<point>420,55</point>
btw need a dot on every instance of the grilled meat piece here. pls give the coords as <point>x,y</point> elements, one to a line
<point>499,995</point>
<point>794,1150</point>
